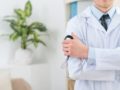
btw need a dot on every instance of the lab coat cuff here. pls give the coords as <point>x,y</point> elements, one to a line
<point>91,56</point>
<point>91,53</point>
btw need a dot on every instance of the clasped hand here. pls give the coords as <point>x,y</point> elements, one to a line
<point>74,47</point>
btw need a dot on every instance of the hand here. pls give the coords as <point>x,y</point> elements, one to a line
<point>74,47</point>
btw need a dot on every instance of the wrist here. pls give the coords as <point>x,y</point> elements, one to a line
<point>86,53</point>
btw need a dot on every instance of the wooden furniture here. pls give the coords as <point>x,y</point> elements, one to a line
<point>71,84</point>
<point>20,84</point>
<point>27,77</point>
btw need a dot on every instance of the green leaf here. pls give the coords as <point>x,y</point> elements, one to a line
<point>15,28</point>
<point>14,25</point>
<point>28,9</point>
<point>39,26</point>
<point>35,36</point>
<point>12,21</point>
<point>42,42</point>
<point>14,36</point>
<point>21,21</point>
<point>10,17</point>
<point>35,44</point>
<point>20,13</point>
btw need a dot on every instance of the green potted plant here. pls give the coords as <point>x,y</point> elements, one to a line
<point>25,33</point>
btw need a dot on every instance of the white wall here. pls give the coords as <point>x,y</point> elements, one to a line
<point>117,2</point>
<point>83,4</point>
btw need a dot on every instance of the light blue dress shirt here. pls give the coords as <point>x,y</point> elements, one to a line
<point>98,14</point>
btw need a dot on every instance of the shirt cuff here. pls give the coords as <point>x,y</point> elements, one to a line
<point>91,56</point>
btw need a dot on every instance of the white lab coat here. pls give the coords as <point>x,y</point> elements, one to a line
<point>103,73</point>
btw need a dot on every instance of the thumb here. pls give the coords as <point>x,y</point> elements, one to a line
<point>74,35</point>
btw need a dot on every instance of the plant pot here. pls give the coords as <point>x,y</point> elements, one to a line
<point>23,57</point>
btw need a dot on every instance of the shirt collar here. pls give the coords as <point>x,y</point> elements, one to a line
<point>98,14</point>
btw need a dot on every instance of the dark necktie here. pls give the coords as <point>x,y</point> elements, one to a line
<point>103,21</point>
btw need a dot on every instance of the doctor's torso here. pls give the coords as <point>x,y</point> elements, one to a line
<point>91,32</point>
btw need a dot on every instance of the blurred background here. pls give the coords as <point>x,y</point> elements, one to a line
<point>44,72</point>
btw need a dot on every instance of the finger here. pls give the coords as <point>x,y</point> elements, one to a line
<point>66,41</point>
<point>66,49</point>
<point>66,45</point>
<point>66,53</point>
<point>74,35</point>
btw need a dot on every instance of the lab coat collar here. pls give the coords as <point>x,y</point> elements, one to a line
<point>115,21</point>
<point>91,20</point>
<point>98,14</point>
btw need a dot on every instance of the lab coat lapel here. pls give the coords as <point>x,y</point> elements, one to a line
<point>115,22</point>
<point>96,24</point>
<point>92,21</point>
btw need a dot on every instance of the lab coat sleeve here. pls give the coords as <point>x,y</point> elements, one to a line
<point>91,57</point>
<point>107,59</point>
<point>77,71</point>
<point>75,65</point>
